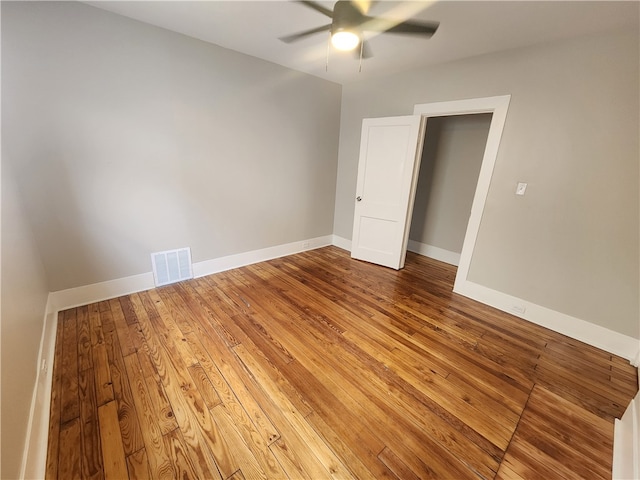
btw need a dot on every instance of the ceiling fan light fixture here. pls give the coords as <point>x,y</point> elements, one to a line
<point>345,40</point>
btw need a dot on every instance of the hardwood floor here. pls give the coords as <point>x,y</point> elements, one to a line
<point>318,366</point>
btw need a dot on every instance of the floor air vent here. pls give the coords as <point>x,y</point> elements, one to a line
<point>171,266</point>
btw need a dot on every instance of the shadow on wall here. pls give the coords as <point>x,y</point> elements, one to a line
<point>452,155</point>
<point>425,178</point>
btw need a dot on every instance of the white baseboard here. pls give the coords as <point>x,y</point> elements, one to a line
<point>437,253</point>
<point>626,443</point>
<point>74,297</point>
<point>452,258</point>
<point>96,292</point>
<point>341,242</point>
<point>587,332</point>
<point>221,264</point>
<point>35,449</point>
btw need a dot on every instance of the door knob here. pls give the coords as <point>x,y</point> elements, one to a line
<point>359,198</point>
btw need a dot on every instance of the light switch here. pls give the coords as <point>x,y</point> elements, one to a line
<point>521,188</point>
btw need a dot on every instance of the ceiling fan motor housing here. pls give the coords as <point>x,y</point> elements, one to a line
<point>346,17</point>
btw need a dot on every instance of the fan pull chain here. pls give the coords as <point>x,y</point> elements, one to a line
<point>361,49</point>
<point>326,64</point>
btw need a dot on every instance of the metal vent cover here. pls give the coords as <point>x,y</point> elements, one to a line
<point>171,266</point>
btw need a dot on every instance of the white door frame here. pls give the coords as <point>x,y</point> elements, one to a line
<point>497,106</point>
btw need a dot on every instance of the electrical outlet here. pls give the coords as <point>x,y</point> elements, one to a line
<point>518,309</point>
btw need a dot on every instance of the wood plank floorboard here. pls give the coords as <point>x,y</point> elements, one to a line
<point>319,366</point>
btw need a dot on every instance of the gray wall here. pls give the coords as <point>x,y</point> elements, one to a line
<point>120,139</point>
<point>129,139</point>
<point>570,244</point>
<point>451,159</point>
<point>23,300</point>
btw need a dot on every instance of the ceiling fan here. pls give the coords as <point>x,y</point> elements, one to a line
<point>348,22</point>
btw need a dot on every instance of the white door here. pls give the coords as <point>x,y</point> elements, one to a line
<point>390,151</point>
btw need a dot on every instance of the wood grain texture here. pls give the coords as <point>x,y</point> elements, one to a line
<point>115,464</point>
<point>70,408</point>
<point>319,366</point>
<point>138,465</point>
<point>159,460</point>
<point>70,454</point>
<point>127,415</point>
<point>89,427</point>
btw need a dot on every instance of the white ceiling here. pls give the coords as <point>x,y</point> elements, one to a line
<point>467,28</point>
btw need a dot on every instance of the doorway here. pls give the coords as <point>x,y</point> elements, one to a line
<point>386,210</point>
<point>452,154</point>
<point>497,107</point>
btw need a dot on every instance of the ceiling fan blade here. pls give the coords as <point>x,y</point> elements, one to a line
<point>300,35</point>
<point>414,28</point>
<point>317,8</point>
<point>363,6</point>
